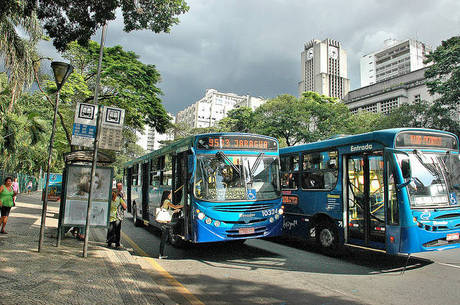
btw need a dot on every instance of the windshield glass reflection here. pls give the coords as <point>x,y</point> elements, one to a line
<point>435,179</point>
<point>223,177</point>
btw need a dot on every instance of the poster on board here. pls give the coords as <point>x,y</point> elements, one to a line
<point>77,192</point>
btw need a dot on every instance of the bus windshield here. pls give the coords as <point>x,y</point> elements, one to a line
<point>222,177</point>
<point>435,179</point>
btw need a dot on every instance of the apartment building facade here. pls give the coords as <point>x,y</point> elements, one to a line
<point>396,58</point>
<point>213,107</point>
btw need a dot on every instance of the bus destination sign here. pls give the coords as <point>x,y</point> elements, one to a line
<point>237,142</point>
<point>426,140</point>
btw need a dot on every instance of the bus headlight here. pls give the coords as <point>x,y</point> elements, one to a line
<point>281,211</point>
<point>277,216</point>
<point>217,223</point>
<point>272,219</point>
<point>200,216</point>
<point>208,221</point>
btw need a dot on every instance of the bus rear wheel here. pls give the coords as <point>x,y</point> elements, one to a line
<point>136,220</point>
<point>327,237</point>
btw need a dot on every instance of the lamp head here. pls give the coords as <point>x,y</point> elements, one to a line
<point>61,71</point>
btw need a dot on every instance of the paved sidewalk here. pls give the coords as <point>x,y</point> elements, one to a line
<point>61,275</point>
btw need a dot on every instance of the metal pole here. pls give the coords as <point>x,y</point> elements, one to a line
<point>45,199</point>
<point>96,140</point>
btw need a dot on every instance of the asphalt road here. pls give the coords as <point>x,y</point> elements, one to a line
<point>288,272</point>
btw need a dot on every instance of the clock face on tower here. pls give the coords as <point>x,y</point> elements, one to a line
<point>333,52</point>
<point>309,53</point>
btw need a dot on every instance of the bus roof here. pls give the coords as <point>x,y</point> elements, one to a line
<point>384,136</point>
<point>184,144</point>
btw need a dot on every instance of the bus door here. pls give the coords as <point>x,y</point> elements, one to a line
<point>145,191</point>
<point>129,182</point>
<point>180,189</point>
<point>366,200</point>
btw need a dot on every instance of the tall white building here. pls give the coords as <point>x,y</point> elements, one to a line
<point>213,107</point>
<point>324,68</point>
<point>150,139</point>
<point>396,58</point>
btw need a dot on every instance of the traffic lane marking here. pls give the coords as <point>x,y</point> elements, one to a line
<point>449,265</point>
<point>165,274</point>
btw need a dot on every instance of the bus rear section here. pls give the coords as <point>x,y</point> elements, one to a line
<point>395,191</point>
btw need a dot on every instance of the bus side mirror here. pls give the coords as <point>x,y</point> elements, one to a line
<point>406,169</point>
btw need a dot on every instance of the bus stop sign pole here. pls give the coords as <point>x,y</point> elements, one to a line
<point>96,139</point>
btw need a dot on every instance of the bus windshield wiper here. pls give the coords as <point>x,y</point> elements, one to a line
<point>256,163</point>
<point>224,156</point>
<point>254,167</point>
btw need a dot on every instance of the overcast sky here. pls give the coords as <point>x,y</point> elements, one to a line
<point>253,46</point>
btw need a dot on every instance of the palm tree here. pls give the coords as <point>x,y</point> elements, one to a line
<point>18,53</point>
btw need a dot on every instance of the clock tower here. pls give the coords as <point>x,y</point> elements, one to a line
<point>324,68</point>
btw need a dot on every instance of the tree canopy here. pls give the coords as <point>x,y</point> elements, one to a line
<point>19,35</point>
<point>69,20</point>
<point>125,83</point>
<point>444,79</point>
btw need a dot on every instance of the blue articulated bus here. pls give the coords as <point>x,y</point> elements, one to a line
<point>394,191</point>
<point>228,184</point>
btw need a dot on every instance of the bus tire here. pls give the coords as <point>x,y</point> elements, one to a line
<point>137,222</point>
<point>327,237</point>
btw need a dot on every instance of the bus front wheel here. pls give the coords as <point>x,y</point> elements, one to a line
<point>327,237</point>
<point>136,220</point>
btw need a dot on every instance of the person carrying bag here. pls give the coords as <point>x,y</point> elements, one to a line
<point>117,213</point>
<point>165,216</point>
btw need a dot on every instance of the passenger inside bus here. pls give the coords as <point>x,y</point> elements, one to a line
<point>330,175</point>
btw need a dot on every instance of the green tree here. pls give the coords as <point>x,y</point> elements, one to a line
<point>283,117</point>
<point>18,50</point>
<point>238,120</point>
<point>125,83</point>
<point>70,20</point>
<point>444,79</point>
<point>417,114</point>
<point>328,117</point>
<point>311,117</point>
<point>364,121</point>
<point>22,131</point>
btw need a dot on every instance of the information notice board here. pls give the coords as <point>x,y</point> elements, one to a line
<point>77,192</point>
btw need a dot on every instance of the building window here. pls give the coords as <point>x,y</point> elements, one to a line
<point>387,106</point>
<point>417,98</point>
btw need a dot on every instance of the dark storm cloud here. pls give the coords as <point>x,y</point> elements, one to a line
<point>253,46</point>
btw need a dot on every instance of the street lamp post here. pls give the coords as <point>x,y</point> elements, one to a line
<point>61,72</point>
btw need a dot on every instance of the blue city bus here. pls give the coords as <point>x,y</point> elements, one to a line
<point>394,191</point>
<point>228,184</point>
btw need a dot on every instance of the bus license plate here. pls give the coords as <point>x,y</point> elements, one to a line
<point>246,230</point>
<point>453,236</point>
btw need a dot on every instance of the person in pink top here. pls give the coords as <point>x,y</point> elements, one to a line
<point>15,187</point>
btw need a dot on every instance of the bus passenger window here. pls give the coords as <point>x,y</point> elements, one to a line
<point>289,172</point>
<point>320,170</point>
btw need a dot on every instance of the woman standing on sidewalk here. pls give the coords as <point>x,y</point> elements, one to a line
<point>6,202</point>
<point>117,208</point>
